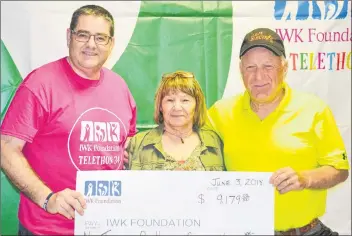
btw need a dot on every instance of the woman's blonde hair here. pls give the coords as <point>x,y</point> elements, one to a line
<point>185,82</point>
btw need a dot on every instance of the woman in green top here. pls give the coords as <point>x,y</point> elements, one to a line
<point>179,142</point>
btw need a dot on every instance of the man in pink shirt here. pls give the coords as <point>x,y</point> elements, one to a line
<point>68,115</point>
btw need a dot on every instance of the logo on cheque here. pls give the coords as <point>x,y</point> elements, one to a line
<point>102,188</point>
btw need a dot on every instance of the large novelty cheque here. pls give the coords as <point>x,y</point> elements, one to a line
<point>175,203</point>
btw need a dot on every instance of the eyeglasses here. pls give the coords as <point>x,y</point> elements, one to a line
<point>100,39</point>
<point>183,74</point>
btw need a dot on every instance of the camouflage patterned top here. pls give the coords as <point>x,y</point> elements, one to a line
<point>146,153</point>
<point>193,162</point>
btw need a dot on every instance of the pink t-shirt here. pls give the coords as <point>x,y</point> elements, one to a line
<point>69,123</point>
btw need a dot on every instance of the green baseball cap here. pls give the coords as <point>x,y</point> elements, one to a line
<point>263,37</point>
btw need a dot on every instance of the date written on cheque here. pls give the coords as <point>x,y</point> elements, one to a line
<point>218,182</point>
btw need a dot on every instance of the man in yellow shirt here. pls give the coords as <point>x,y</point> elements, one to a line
<point>272,128</point>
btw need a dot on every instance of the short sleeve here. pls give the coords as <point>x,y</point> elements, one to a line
<point>24,117</point>
<point>133,157</point>
<point>133,122</point>
<point>214,158</point>
<point>212,122</point>
<point>330,145</point>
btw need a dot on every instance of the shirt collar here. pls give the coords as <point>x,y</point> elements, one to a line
<point>283,106</point>
<point>154,137</point>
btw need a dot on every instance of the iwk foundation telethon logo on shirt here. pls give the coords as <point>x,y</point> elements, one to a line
<point>95,141</point>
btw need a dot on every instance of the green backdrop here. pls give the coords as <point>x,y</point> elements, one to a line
<point>10,79</point>
<point>168,36</point>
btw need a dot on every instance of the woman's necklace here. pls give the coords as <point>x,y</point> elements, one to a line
<point>180,135</point>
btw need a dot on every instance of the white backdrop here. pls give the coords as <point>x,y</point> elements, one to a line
<point>32,41</point>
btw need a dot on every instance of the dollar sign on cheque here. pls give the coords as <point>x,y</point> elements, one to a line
<point>201,199</point>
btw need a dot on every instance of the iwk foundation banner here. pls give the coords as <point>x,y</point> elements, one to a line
<point>153,38</point>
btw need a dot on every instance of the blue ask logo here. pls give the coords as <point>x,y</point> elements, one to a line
<point>303,10</point>
<point>102,188</point>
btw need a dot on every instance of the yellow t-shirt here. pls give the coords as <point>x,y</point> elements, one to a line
<point>301,133</point>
